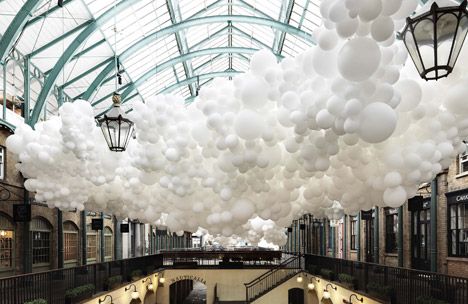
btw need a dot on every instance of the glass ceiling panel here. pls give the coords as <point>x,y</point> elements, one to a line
<point>190,7</point>
<point>271,7</point>
<point>145,17</point>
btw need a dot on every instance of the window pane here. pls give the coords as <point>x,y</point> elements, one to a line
<point>6,249</point>
<point>70,241</point>
<point>41,247</point>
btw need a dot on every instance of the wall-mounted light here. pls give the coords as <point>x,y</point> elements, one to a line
<point>351,299</point>
<point>299,279</point>
<point>326,293</point>
<point>135,295</point>
<point>102,300</point>
<point>150,285</point>
<point>161,281</point>
<point>311,285</point>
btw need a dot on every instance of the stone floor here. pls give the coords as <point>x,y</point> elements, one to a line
<point>198,294</point>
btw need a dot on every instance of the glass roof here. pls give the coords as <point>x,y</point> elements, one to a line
<point>160,44</point>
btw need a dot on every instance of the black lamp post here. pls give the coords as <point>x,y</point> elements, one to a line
<point>434,39</point>
<point>116,127</point>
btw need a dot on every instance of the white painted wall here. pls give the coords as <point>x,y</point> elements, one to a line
<point>280,294</point>
<point>230,282</point>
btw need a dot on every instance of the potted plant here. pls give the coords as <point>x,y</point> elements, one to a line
<point>112,282</point>
<point>36,301</point>
<point>313,269</point>
<point>429,300</point>
<point>347,280</point>
<point>136,274</point>
<point>327,274</point>
<point>80,293</point>
<point>383,292</point>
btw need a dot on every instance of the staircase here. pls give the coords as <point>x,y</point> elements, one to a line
<point>272,279</point>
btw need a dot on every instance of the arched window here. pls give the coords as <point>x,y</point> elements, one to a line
<point>92,245</point>
<point>7,247</point>
<point>108,245</point>
<point>70,241</point>
<point>41,241</point>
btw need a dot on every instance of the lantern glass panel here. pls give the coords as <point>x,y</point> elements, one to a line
<point>446,29</point>
<point>413,51</point>
<point>461,35</point>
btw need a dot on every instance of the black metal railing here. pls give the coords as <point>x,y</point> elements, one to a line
<point>272,278</point>
<point>221,258</point>
<point>401,285</point>
<point>52,285</point>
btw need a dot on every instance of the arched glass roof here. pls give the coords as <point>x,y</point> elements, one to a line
<point>161,46</point>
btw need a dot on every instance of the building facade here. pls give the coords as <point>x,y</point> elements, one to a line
<point>55,239</point>
<point>429,232</point>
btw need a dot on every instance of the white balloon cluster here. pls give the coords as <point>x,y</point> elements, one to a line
<point>334,124</point>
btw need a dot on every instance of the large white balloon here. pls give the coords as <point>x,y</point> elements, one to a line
<point>358,59</point>
<point>378,121</point>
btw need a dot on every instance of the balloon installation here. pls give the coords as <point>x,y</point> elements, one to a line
<point>346,121</point>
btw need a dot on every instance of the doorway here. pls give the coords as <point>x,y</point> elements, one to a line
<point>187,292</point>
<point>421,237</point>
<point>296,296</point>
<point>369,237</point>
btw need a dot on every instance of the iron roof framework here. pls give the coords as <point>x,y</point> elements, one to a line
<point>162,46</point>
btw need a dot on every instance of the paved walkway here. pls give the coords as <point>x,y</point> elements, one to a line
<point>198,294</point>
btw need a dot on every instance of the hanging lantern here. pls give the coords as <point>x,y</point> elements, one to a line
<point>116,127</point>
<point>434,39</point>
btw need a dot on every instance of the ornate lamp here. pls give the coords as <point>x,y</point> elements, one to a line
<point>116,127</point>
<point>434,39</point>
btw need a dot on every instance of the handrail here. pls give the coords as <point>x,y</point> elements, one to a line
<point>403,285</point>
<point>256,288</point>
<point>280,266</point>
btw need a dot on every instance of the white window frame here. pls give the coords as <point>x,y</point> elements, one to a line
<point>2,162</point>
<point>462,158</point>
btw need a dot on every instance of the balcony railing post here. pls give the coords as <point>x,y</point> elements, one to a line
<point>95,275</point>
<point>366,276</point>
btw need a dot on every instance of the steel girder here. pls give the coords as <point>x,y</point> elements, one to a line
<point>60,38</point>
<point>182,58</point>
<point>193,22</point>
<point>280,36</point>
<point>71,50</point>
<point>174,13</point>
<point>215,58</point>
<point>226,73</point>
<point>129,87</point>
<point>220,3</point>
<point>216,19</point>
<point>16,26</point>
<point>186,82</point>
<point>46,13</point>
<point>101,78</point>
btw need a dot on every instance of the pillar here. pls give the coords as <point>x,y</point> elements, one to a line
<point>434,225</point>
<point>27,250</point>
<point>345,237</point>
<point>117,239</point>
<point>27,241</point>
<point>27,88</point>
<point>376,235</point>
<point>333,245</point>
<point>60,259</point>
<point>400,236</point>
<point>323,240</point>
<point>101,241</point>
<point>358,237</point>
<point>4,88</point>
<point>150,237</point>
<point>84,244</point>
